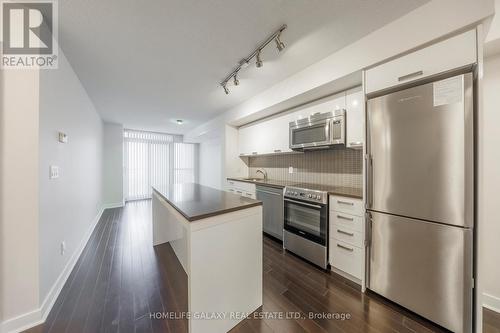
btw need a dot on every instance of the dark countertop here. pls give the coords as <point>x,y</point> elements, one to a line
<point>268,182</point>
<point>344,191</point>
<point>196,202</point>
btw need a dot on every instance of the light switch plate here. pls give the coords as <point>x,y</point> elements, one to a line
<point>290,169</point>
<point>53,172</point>
<point>63,138</point>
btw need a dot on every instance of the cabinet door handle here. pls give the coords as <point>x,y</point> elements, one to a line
<point>350,249</point>
<point>409,76</point>
<point>345,202</point>
<point>254,153</point>
<point>345,232</point>
<point>277,150</point>
<point>278,194</point>
<point>356,144</point>
<point>345,217</point>
<point>239,192</point>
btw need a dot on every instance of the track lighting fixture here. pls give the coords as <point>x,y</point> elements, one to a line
<point>243,63</point>
<point>258,60</point>
<point>279,44</point>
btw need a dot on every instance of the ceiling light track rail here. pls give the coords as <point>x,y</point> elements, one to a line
<point>276,36</point>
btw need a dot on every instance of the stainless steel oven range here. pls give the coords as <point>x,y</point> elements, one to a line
<point>306,223</point>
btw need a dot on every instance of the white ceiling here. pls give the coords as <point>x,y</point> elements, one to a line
<point>147,63</point>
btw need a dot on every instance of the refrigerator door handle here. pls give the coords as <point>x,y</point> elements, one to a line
<point>369,180</point>
<point>368,240</point>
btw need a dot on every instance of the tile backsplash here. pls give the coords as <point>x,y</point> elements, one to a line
<point>339,167</point>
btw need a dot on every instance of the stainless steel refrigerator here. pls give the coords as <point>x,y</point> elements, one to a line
<point>420,199</point>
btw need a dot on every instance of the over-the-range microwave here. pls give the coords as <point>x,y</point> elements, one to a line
<point>318,131</point>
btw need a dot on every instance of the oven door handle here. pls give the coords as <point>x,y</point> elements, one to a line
<point>303,203</point>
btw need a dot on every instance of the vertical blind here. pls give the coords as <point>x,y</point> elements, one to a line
<point>156,159</point>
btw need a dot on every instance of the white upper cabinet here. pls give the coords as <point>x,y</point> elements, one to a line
<point>452,53</point>
<point>337,103</point>
<point>355,124</point>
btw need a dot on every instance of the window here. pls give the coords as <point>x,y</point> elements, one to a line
<point>156,159</point>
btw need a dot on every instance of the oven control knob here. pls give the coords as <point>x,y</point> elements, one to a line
<point>318,197</point>
<point>309,196</point>
<point>295,193</point>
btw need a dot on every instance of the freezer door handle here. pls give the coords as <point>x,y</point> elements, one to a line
<point>368,238</point>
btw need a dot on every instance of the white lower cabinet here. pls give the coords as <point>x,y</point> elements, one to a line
<point>346,242</point>
<point>346,257</point>
<point>241,188</point>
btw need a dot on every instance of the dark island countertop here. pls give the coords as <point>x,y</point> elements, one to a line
<point>196,202</point>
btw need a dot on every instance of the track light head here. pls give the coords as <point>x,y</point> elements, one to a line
<point>258,61</point>
<point>279,44</point>
<point>226,90</point>
<point>235,80</point>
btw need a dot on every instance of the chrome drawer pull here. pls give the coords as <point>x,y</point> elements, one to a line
<point>345,218</point>
<point>254,153</point>
<point>345,233</point>
<point>277,150</point>
<point>345,248</point>
<point>345,202</point>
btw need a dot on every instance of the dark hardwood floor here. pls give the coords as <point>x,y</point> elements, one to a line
<point>120,279</point>
<point>491,321</point>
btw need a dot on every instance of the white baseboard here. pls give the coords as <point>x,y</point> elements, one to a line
<point>38,316</point>
<point>22,322</point>
<point>491,302</point>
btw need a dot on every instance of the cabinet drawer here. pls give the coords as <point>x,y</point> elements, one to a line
<point>351,222</point>
<point>347,205</point>
<point>449,54</point>
<point>346,258</point>
<point>346,235</point>
<point>242,186</point>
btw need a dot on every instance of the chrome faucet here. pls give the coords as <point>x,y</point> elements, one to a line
<point>263,172</point>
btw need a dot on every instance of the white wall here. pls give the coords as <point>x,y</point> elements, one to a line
<point>113,164</point>
<point>488,185</point>
<point>19,286</point>
<point>68,205</point>
<point>210,162</point>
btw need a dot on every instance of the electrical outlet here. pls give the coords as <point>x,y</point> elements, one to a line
<point>53,172</point>
<point>290,169</point>
<point>63,248</point>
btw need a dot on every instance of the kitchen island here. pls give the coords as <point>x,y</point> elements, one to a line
<point>217,237</point>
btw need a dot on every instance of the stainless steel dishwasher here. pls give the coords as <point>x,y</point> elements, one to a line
<point>272,211</point>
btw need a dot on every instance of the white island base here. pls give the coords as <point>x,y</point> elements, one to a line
<point>222,257</point>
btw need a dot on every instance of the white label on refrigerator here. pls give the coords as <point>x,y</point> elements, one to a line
<point>448,91</point>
